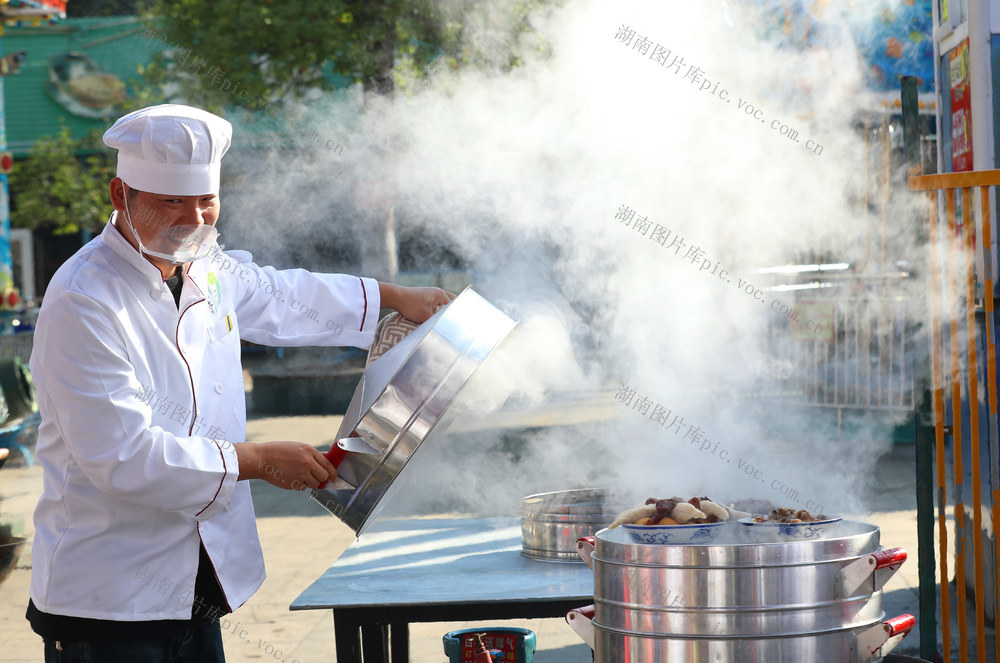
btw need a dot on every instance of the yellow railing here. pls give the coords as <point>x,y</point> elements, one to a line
<point>952,297</point>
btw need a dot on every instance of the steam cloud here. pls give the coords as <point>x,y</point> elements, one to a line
<point>521,174</point>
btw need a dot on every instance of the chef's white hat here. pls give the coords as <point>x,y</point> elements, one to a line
<point>170,149</point>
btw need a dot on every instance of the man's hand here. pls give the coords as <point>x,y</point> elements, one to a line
<point>416,304</point>
<point>288,465</point>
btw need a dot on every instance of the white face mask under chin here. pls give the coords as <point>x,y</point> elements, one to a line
<point>177,245</point>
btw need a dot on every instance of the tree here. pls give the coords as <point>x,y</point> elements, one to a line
<point>58,190</point>
<point>276,50</point>
<point>256,55</point>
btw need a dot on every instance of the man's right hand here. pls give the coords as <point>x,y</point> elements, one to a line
<point>288,465</point>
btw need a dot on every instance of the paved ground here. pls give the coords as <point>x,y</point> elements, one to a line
<point>301,540</point>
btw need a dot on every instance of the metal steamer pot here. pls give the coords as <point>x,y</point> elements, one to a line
<point>817,601</point>
<point>551,523</point>
<point>402,396</point>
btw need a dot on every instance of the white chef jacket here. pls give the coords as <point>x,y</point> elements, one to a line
<point>140,402</point>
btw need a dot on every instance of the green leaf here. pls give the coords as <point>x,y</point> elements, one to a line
<point>62,185</point>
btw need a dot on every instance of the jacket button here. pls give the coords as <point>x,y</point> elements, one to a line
<point>155,293</point>
<point>218,387</point>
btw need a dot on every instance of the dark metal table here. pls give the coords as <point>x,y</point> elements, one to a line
<point>434,570</point>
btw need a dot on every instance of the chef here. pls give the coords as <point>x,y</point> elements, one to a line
<point>145,531</point>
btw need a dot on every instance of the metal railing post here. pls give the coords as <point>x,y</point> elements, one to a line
<point>923,415</point>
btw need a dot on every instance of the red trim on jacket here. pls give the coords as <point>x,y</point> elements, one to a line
<point>364,315</point>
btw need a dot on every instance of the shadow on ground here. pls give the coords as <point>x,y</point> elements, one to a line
<point>272,502</point>
<point>580,653</point>
<point>901,602</point>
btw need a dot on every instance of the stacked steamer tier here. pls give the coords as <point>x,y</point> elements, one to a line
<point>816,601</point>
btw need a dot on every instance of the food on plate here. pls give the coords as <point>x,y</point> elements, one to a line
<point>789,516</point>
<point>712,509</point>
<point>666,520</point>
<point>673,511</point>
<point>683,512</point>
<point>748,507</point>
<point>634,515</point>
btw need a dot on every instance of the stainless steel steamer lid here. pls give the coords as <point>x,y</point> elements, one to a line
<point>577,502</point>
<point>552,522</point>
<point>850,540</point>
<point>404,394</point>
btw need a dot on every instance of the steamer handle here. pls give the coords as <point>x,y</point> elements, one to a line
<point>581,620</point>
<point>900,625</point>
<point>882,638</point>
<point>336,456</point>
<point>889,558</point>
<point>585,547</point>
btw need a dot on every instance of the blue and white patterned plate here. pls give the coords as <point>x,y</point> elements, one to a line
<point>755,532</point>
<point>674,534</point>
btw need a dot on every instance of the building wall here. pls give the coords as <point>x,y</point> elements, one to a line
<point>116,44</point>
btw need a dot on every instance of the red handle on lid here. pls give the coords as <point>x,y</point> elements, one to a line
<point>336,456</point>
<point>891,557</point>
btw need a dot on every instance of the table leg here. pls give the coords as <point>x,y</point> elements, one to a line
<point>347,637</point>
<point>399,641</point>
<point>375,643</point>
